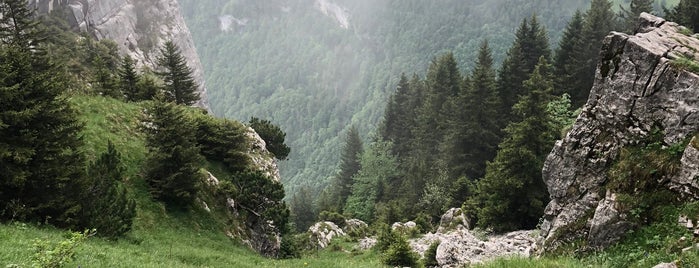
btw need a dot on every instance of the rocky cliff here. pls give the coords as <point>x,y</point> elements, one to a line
<point>644,83</point>
<point>139,27</point>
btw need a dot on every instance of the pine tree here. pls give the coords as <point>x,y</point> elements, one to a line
<point>599,21</point>
<point>475,131</point>
<point>129,79</point>
<point>107,208</point>
<point>685,13</point>
<point>531,43</point>
<point>629,17</point>
<point>341,186</point>
<point>41,168</point>
<point>302,209</point>
<point>566,62</point>
<point>172,168</point>
<point>273,137</point>
<point>512,194</point>
<point>378,166</point>
<point>180,86</point>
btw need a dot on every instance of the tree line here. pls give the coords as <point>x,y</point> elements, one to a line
<point>476,140</point>
<point>46,177</point>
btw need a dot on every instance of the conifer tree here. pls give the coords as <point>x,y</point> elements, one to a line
<point>512,194</point>
<point>273,137</point>
<point>341,186</point>
<point>475,131</point>
<point>531,43</point>
<point>567,61</point>
<point>629,16</point>
<point>129,79</point>
<point>302,209</point>
<point>172,168</point>
<point>396,123</point>
<point>41,168</point>
<point>107,208</point>
<point>599,21</point>
<point>180,86</point>
<point>378,166</point>
<point>685,13</point>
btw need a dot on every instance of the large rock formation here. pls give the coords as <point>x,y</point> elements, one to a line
<point>138,27</point>
<point>643,82</point>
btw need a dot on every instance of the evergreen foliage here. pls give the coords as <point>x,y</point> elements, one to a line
<point>629,16</point>
<point>599,21</point>
<point>568,60</point>
<point>179,85</point>
<point>172,168</point>
<point>512,194</point>
<point>107,208</point>
<point>223,141</point>
<point>273,137</point>
<point>262,198</point>
<point>302,210</point>
<point>531,43</point>
<point>400,254</point>
<point>342,183</point>
<point>129,79</point>
<point>41,168</point>
<point>685,13</point>
<point>378,168</point>
<point>473,135</point>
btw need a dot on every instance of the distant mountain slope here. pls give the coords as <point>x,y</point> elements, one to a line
<point>316,66</point>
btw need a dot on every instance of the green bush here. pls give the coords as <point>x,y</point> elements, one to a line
<point>400,254</point>
<point>332,216</point>
<point>386,238</point>
<point>431,255</point>
<point>53,256</point>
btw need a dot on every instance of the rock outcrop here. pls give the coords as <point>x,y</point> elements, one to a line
<point>321,233</point>
<point>138,27</point>
<point>643,82</point>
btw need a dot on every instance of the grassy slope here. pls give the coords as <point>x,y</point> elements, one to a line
<point>159,238</point>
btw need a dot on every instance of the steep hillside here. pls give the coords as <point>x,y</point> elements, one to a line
<point>139,29</point>
<point>160,237</point>
<point>316,67</point>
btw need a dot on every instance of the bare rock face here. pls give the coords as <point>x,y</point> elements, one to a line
<point>638,86</point>
<point>139,28</point>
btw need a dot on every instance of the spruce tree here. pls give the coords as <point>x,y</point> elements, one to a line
<point>180,86</point>
<point>172,167</point>
<point>629,16</point>
<point>685,13</point>
<point>378,166</point>
<point>41,168</point>
<point>107,208</point>
<point>475,131</point>
<point>129,79</point>
<point>512,194</point>
<point>398,115</point>
<point>302,210</point>
<point>566,62</point>
<point>599,21</point>
<point>531,43</point>
<point>341,186</point>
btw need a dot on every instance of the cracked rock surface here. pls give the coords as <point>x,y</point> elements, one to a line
<point>638,86</point>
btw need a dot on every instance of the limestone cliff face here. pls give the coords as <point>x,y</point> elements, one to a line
<point>638,86</point>
<point>139,27</point>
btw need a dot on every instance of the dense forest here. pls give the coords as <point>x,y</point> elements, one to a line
<point>330,83</point>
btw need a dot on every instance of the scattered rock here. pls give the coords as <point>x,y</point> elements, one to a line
<point>356,228</point>
<point>404,228</point>
<point>666,265</point>
<point>367,243</point>
<point>452,219</point>
<point>321,233</point>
